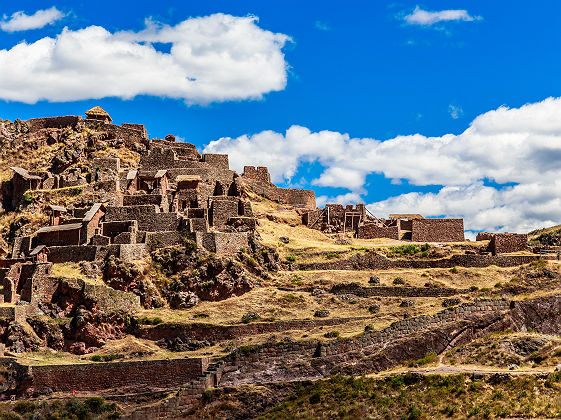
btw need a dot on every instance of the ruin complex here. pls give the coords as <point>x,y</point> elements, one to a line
<point>156,273</point>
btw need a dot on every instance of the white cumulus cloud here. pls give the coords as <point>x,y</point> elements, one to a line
<point>19,21</point>
<point>501,173</point>
<point>426,18</point>
<point>208,59</point>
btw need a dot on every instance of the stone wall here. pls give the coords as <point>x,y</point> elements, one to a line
<point>160,200</point>
<point>259,181</point>
<point>371,230</point>
<point>483,236</point>
<point>214,333</point>
<point>13,312</point>
<point>222,242</point>
<point>294,197</point>
<point>113,164</point>
<point>100,376</point>
<point>36,124</point>
<point>160,239</point>
<point>222,210</point>
<point>129,135</point>
<point>503,243</point>
<point>37,285</point>
<point>77,253</point>
<point>437,230</point>
<point>259,173</point>
<point>216,160</point>
<point>374,261</point>
<point>148,219</point>
<point>138,127</point>
<point>61,237</point>
<point>388,291</point>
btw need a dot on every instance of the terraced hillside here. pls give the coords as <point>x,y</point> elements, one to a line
<point>297,323</point>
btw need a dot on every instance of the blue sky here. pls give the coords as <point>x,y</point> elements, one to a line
<point>374,70</point>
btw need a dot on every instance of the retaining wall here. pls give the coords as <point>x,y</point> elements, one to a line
<point>215,333</point>
<point>373,261</point>
<point>358,290</point>
<point>100,376</point>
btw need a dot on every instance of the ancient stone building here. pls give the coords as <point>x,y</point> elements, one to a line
<point>504,243</point>
<point>99,114</point>
<point>336,218</point>
<point>259,181</point>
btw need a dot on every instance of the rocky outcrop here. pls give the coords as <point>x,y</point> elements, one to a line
<point>206,275</point>
<point>129,277</point>
<point>541,314</point>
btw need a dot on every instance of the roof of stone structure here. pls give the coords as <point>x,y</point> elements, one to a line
<point>37,250</point>
<point>406,216</point>
<point>23,173</point>
<point>60,228</point>
<point>132,174</point>
<point>57,208</point>
<point>91,212</point>
<point>98,111</point>
<point>153,174</point>
<point>181,178</point>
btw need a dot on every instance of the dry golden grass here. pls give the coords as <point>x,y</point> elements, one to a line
<point>34,220</point>
<point>129,158</point>
<point>464,278</point>
<point>72,270</point>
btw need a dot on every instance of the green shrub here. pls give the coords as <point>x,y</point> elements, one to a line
<point>95,358</point>
<point>190,246</point>
<point>23,407</point>
<point>413,413</point>
<point>454,270</point>
<point>315,398</point>
<point>331,255</point>
<point>429,358</point>
<point>290,298</point>
<point>291,258</point>
<point>247,318</point>
<point>398,280</point>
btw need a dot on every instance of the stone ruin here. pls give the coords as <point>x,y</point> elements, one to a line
<point>336,218</point>
<point>504,243</point>
<point>258,180</point>
<point>174,196</point>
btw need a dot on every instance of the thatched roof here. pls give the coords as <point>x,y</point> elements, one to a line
<point>98,112</point>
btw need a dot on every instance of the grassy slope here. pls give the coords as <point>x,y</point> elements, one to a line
<point>429,397</point>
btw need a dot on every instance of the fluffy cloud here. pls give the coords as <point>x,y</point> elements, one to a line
<point>426,18</point>
<point>214,58</point>
<point>19,21</point>
<point>501,173</point>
